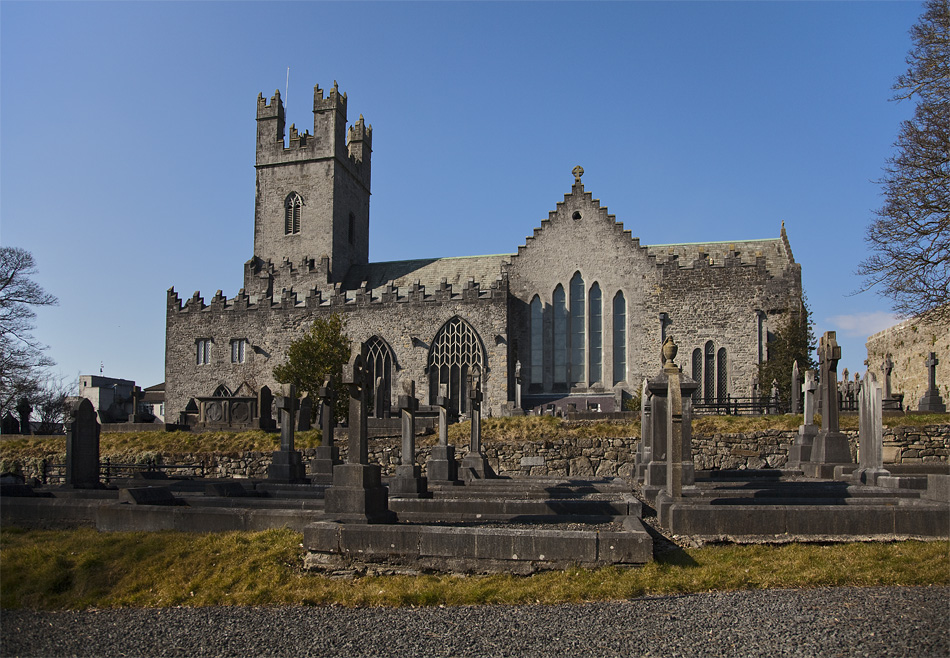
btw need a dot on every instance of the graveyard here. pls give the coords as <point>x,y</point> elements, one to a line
<point>452,509</point>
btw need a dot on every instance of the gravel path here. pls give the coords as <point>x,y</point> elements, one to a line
<point>890,621</point>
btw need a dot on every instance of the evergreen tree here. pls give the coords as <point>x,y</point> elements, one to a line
<point>319,353</point>
<point>793,340</point>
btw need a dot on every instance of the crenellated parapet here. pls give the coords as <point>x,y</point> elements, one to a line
<point>338,298</point>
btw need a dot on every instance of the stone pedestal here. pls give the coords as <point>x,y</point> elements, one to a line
<point>475,467</point>
<point>442,466</point>
<point>408,483</point>
<point>358,496</point>
<point>324,460</point>
<point>287,467</point>
<point>800,451</point>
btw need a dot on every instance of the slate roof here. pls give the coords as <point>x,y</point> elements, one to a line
<point>428,271</point>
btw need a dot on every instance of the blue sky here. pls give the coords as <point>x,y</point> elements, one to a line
<point>127,138</point>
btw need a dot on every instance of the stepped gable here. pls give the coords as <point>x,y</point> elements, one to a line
<point>456,272</point>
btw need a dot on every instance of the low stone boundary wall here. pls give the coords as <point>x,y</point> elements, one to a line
<point>574,457</point>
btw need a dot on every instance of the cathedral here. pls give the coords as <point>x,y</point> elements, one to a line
<point>571,320</point>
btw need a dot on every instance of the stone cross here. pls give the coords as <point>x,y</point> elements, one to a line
<point>932,402</point>
<point>24,409</point>
<point>645,449</point>
<point>887,367</point>
<point>135,416</point>
<point>796,396</point>
<point>809,407</point>
<point>475,399</point>
<point>408,405</point>
<point>517,384</point>
<point>286,405</point>
<point>327,421</point>
<point>829,353</point>
<point>931,364</point>
<point>356,378</point>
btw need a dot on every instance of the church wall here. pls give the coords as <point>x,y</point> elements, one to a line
<point>407,325</point>
<point>909,344</point>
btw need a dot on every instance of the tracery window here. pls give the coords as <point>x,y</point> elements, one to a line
<point>560,335</point>
<point>620,338</point>
<point>455,349</point>
<point>595,327</point>
<point>379,363</point>
<point>292,207</point>
<point>222,392</point>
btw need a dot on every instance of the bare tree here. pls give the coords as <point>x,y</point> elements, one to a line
<point>22,358</point>
<point>50,404</point>
<point>910,239</point>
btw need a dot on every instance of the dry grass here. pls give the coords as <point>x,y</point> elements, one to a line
<point>76,569</point>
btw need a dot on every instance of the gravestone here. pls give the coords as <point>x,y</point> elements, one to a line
<point>932,402</point>
<point>775,404</point>
<point>408,481</point>
<point>474,464</point>
<point>891,401</point>
<point>830,447</point>
<point>870,433</point>
<point>357,494</point>
<point>265,400</point>
<point>82,446</point>
<point>23,410</point>
<point>442,466</point>
<point>136,416</point>
<point>304,412</point>
<point>645,448</point>
<point>796,390</point>
<point>379,404</point>
<point>800,450</point>
<point>286,463</point>
<point>656,474</point>
<point>326,454</point>
<point>518,410</point>
<point>9,425</point>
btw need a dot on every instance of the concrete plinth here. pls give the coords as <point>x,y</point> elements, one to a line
<point>358,496</point>
<point>324,460</point>
<point>441,466</point>
<point>287,466</point>
<point>408,483</point>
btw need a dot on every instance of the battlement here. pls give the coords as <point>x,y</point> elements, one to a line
<point>335,101</point>
<point>336,297</point>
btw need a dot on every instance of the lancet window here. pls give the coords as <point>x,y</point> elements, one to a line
<point>596,336</point>
<point>577,330</point>
<point>620,338</point>
<point>292,207</point>
<point>560,336</point>
<point>536,371</point>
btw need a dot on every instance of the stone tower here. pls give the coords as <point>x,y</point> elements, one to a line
<point>311,209</point>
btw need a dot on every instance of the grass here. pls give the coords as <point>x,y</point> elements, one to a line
<point>81,568</point>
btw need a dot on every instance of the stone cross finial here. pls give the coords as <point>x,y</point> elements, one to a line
<point>829,353</point>
<point>578,171</point>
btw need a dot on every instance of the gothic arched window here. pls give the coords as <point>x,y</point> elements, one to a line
<point>560,336</point>
<point>455,349</point>
<point>292,206</point>
<point>698,374</point>
<point>620,338</point>
<point>722,380</point>
<point>222,392</point>
<point>379,363</point>
<point>536,372</point>
<point>709,381</point>
<point>595,343</point>
<point>577,329</point>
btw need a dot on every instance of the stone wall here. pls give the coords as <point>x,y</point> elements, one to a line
<point>909,344</point>
<point>574,457</point>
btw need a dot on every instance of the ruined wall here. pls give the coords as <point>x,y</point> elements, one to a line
<point>910,343</point>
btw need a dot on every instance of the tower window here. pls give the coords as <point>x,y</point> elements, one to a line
<point>292,206</point>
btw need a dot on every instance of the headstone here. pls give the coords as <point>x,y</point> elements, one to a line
<point>775,403</point>
<point>304,412</point>
<point>379,406</point>
<point>645,448</point>
<point>442,466</point>
<point>796,391</point>
<point>23,410</point>
<point>474,464</point>
<point>408,481</point>
<point>800,450</point>
<point>870,433</point>
<point>265,400</point>
<point>932,402</point>
<point>82,446</point>
<point>517,386</point>
<point>357,494</point>
<point>891,401</point>
<point>286,464</point>
<point>831,447</point>
<point>9,425</point>
<point>136,415</point>
<point>326,454</point>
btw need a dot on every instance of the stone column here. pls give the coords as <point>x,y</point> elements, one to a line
<point>327,455</point>
<point>82,446</point>
<point>831,447</point>
<point>286,464</point>
<point>870,433</point>
<point>357,494</point>
<point>408,481</point>
<point>442,466</point>
<point>518,409</point>
<point>474,464</point>
<point>932,402</point>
